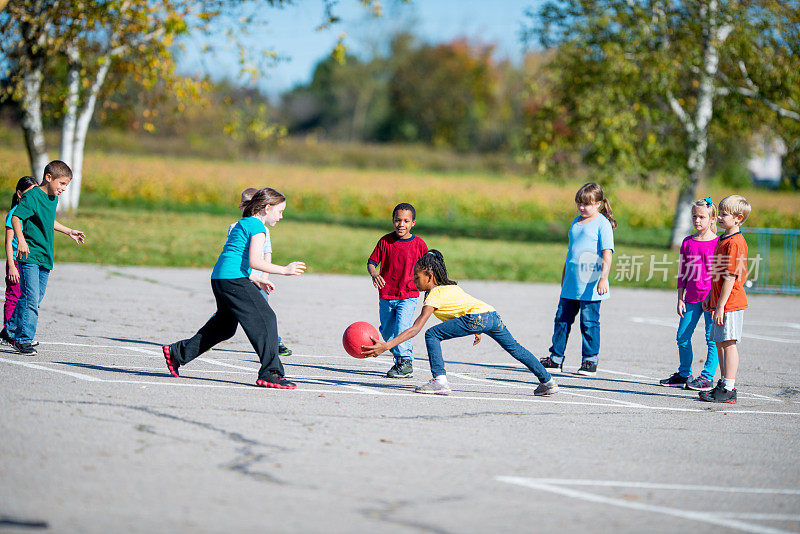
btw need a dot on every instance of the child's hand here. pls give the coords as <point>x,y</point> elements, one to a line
<point>266,285</point>
<point>476,340</point>
<point>378,281</point>
<point>681,307</point>
<point>22,249</point>
<point>707,305</point>
<point>296,267</point>
<point>602,286</point>
<point>718,317</point>
<point>12,277</point>
<point>77,236</point>
<point>373,350</point>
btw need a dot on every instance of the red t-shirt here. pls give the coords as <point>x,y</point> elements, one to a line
<point>730,258</point>
<point>396,258</point>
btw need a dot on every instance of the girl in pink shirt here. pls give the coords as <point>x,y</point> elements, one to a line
<point>694,283</point>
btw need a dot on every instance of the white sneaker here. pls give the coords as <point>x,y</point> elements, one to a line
<point>433,388</point>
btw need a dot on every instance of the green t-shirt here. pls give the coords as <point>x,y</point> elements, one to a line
<point>37,210</point>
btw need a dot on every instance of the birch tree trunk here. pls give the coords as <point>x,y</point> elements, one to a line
<point>32,122</point>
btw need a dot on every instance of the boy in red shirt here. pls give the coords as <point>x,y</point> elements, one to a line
<point>396,253</point>
<point>727,301</point>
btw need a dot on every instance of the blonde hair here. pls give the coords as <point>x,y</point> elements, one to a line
<point>712,210</point>
<point>592,192</point>
<point>735,205</point>
<point>260,200</point>
<point>247,194</point>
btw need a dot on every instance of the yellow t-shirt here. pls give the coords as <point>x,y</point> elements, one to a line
<point>450,302</point>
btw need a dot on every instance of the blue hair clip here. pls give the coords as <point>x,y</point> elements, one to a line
<point>709,202</point>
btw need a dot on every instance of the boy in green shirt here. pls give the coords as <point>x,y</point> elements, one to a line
<point>34,222</point>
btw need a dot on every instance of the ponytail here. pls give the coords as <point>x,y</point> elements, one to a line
<point>433,262</point>
<point>260,200</point>
<point>24,183</point>
<point>592,192</point>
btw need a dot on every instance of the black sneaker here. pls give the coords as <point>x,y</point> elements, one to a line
<point>675,381</point>
<point>550,365</point>
<point>26,349</point>
<point>587,369</point>
<point>402,369</point>
<point>719,394</point>
<point>5,339</point>
<point>283,350</point>
<point>274,380</point>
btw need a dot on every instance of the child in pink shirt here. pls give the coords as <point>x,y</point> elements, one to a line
<point>694,283</point>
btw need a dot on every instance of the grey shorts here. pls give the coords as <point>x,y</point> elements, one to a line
<point>731,328</point>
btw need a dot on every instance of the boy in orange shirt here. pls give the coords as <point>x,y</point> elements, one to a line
<point>727,301</point>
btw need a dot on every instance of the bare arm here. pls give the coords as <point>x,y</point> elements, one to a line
<point>22,245</point>
<point>258,262</point>
<point>718,315</point>
<point>377,279</point>
<point>382,346</point>
<point>76,235</point>
<point>602,285</point>
<point>12,274</point>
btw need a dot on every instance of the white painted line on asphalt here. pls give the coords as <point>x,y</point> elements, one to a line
<point>351,386</point>
<point>223,364</point>
<point>134,349</point>
<point>704,517</point>
<point>81,376</point>
<point>660,486</point>
<point>764,517</point>
<point>484,381</point>
<point>673,324</point>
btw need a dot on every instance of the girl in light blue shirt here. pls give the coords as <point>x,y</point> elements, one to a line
<point>238,299</point>
<point>584,280</point>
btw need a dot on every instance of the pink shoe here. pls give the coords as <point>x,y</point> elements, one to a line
<point>172,365</point>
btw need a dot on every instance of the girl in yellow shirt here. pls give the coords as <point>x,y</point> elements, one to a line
<point>461,315</point>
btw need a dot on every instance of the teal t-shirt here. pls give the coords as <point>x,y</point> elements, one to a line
<point>8,225</point>
<point>37,210</point>
<point>585,258</point>
<point>234,262</point>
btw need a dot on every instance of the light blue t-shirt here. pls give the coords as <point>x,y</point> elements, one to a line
<point>234,262</point>
<point>8,225</point>
<point>585,258</point>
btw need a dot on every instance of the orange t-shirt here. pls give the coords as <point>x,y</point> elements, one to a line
<point>730,257</point>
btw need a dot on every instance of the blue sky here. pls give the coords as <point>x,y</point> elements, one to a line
<point>291,33</point>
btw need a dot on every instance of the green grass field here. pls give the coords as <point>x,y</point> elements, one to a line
<point>170,211</point>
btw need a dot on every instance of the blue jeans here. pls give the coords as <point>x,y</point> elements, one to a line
<point>481,323</point>
<point>686,328</point>
<point>590,328</point>
<point>397,316</point>
<point>266,297</point>
<point>21,327</point>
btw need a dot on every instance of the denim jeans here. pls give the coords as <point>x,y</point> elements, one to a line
<point>21,327</point>
<point>488,323</point>
<point>686,328</point>
<point>397,316</point>
<point>590,328</point>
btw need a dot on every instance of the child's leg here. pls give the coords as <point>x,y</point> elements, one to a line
<point>404,318</point>
<point>221,326</point>
<point>686,327</point>
<point>26,315</point>
<point>438,333</point>
<point>12,297</point>
<point>712,357</point>
<point>258,321</point>
<point>498,331</point>
<point>565,315</point>
<point>590,329</point>
<point>729,354</point>
<point>266,298</point>
<point>387,314</point>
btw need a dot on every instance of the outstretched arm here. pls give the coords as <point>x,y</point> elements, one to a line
<point>257,261</point>
<point>76,235</point>
<point>382,346</point>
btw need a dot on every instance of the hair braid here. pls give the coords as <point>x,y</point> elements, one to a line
<point>433,262</point>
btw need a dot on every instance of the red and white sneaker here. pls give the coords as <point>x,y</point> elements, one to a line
<point>172,365</point>
<point>274,380</point>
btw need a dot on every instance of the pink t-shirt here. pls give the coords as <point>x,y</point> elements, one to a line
<point>695,268</point>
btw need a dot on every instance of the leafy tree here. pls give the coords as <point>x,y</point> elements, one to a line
<point>645,85</point>
<point>64,52</point>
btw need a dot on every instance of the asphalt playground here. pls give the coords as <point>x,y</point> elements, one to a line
<point>97,437</point>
